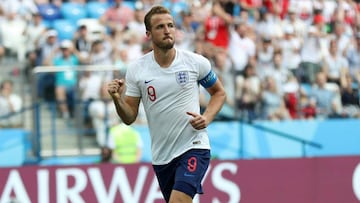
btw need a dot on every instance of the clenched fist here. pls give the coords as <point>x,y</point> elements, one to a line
<point>116,88</point>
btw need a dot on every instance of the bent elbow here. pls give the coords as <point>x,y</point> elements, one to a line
<point>223,95</point>
<point>128,122</point>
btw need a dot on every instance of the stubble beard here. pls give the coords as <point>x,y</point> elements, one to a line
<point>165,46</point>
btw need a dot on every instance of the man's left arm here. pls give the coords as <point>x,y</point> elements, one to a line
<point>217,99</point>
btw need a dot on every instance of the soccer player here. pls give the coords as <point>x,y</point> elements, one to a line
<point>167,81</point>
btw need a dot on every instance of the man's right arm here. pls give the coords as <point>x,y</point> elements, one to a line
<point>127,108</point>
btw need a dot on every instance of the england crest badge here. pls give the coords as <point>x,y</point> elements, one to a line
<point>182,77</point>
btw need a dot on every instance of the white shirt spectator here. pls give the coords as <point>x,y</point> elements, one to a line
<point>290,47</point>
<point>24,8</point>
<point>269,27</point>
<point>11,30</point>
<point>34,32</point>
<point>311,50</point>
<point>103,116</point>
<point>294,21</point>
<point>240,49</point>
<point>90,85</point>
<point>335,65</point>
<point>9,103</point>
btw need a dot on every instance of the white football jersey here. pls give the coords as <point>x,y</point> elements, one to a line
<point>167,94</point>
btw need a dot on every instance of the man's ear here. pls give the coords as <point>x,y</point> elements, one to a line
<point>148,34</point>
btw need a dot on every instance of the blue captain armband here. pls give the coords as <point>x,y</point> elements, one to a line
<point>209,80</point>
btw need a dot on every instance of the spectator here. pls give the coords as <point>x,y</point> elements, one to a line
<point>101,55</point>
<point>294,21</point>
<point>326,8</point>
<point>117,16</point>
<point>223,69</point>
<point>273,105</point>
<point>137,24</point>
<point>247,92</point>
<point>277,8</point>
<point>249,20</point>
<point>47,48</point>
<point>291,94</point>
<point>335,64</point>
<point>34,31</point>
<point>253,6</point>
<point>103,115</point>
<point>121,59</point>
<point>22,8</point>
<point>89,86</point>
<point>66,81</point>
<point>126,144</point>
<point>290,46</point>
<point>29,65</point>
<point>186,33</point>
<point>307,107</point>
<point>264,56</point>
<point>81,41</point>
<point>12,30</point>
<point>325,98</point>
<point>2,48</point>
<point>241,49</point>
<point>132,42</point>
<point>216,25</point>
<point>48,45</point>
<point>10,104</point>
<point>268,25</point>
<point>341,38</point>
<point>105,155</point>
<point>350,96</point>
<point>201,9</point>
<point>353,56</point>
<point>311,55</point>
<point>278,72</point>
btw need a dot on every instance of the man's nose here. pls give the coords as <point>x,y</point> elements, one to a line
<point>166,29</point>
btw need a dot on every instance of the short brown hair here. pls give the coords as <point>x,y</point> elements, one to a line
<point>153,11</point>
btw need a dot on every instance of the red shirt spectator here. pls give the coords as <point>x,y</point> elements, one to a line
<point>250,4</point>
<point>216,26</point>
<point>277,7</point>
<point>216,31</point>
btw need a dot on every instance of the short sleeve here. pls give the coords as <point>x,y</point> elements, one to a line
<point>207,77</point>
<point>132,88</point>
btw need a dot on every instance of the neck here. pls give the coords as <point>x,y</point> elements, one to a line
<point>164,57</point>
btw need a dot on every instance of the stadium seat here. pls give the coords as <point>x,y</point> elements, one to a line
<point>176,8</point>
<point>65,28</point>
<point>73,11</point>
<point>96,9</point>
<point>130,4</point>
<point>47,23</point>
<point>49,12</point>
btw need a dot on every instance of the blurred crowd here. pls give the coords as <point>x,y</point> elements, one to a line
<point>278,59</point>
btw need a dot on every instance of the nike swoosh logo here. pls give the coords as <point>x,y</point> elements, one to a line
<point>147,81</point>
<point>188,175</point>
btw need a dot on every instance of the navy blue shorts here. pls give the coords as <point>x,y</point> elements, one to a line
<point>183,173</point>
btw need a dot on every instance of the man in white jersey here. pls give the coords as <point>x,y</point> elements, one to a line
<point>167,81</point>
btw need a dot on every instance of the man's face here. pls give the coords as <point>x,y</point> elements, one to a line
<point>162,31</point>
<point>6,89</point>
